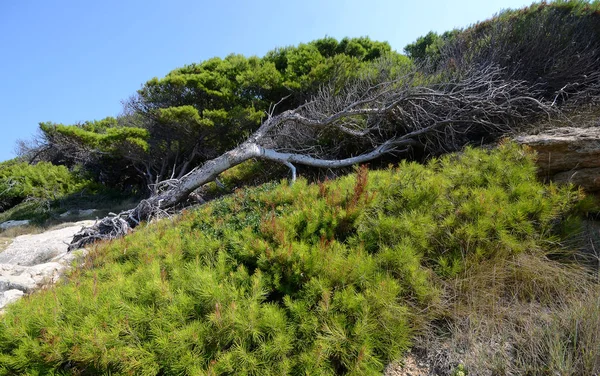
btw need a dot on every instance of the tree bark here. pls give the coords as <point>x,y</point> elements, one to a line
<point>387,117</point>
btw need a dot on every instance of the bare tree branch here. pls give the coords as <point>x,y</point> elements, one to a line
<point>366,121</point>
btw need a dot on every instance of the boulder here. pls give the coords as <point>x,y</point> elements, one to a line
<point>14,277</point>
<point>587,178</point>
<point>36,249</point>
<point>78,213</point>
<point>10,296</point>
<point>66,214</point>
<point>28,278</point>
<point>568,155</point>
<point>34,261</point>
<point>10,224</point>
<point>86,212</point>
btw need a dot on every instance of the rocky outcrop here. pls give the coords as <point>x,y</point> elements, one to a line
<point>78,213</point>
<point>34,261</point>
<point>10,224</point>
<point>28,278</point>
<point>10,296</point>
<point>29,250</point>
<point>568,155</point>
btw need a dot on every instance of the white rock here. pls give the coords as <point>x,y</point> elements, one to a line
<point>69,258</point>
<point>36,249</point>
<point>46,273</point>
<point>10,224</point>
<point>80,213</point>
<point>86,212</point>
<point>66,214</point>
<point>12,281</point>
<point>34,261</point>
<point>28,278</point>
<point>9,296</point>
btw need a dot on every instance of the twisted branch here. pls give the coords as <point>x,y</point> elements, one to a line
<point>365,121</point>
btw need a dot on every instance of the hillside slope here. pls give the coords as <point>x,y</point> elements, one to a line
<point>336,278</point>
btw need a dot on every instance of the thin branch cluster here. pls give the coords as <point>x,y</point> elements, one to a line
<point>367,119</point>
<point>437,117</point>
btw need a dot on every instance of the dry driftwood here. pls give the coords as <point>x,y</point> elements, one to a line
<point>376,118</point>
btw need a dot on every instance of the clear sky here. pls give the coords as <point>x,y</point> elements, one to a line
<point>70,61</point>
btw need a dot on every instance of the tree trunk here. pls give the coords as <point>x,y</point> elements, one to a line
<point>388,117</point>
<point>180,190</point>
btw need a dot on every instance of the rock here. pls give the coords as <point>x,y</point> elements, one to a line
<point>13,277</point>
<point>36,249</point>
<point>10,224</point>
<point>28,278</point>
<point>34,261</point>
<point>79,213</point>
<point>588,178</point>
<point>86,212</point>
<point>568,155</point>
<point>67,259</point>
<point>10,296</point>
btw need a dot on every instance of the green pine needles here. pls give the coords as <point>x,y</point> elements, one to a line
<point>304,279</point>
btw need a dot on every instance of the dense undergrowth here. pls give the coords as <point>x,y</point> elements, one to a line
<point>20,181</point>
<point>330,278</point>
<point>41,192</point>
<point>554,44</point>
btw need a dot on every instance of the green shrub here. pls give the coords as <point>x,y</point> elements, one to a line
<point>201,110</point>
<point>42,191</point>
<point>20,181</point>
<point>321,279</point>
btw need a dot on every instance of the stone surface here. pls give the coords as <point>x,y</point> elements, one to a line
<point>66,214</point>
<point>28,278</point>
<point>568,155</point>
<point>15,278</point>
<point>409,366</point>
<point>10,296</point>
<point>67,259</point>
<point>588,178</point>
<point>36,249</point>
<point>79,213</point>
<point>86,212</point>
<point>10,224</point>
<point>34,261</point>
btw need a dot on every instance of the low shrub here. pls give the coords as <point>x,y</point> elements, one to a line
<point>20,181</point>
<point>325,279</point>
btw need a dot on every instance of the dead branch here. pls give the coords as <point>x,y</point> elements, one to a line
<point>365,121</point>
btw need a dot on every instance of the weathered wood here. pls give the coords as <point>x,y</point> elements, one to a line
<point>389,116</point>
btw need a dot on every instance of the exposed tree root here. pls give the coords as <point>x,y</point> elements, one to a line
<point>373,117</point>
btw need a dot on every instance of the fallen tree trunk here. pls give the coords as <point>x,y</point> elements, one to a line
<point>380,118</point>
<point>118,225</point>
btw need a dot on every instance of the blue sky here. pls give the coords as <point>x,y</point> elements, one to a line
<point>71,61</point>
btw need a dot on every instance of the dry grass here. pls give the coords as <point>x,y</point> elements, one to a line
<point>13,232</point>
<point>4,243</point>
<point>529,315</point>
<point>585,116</point>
